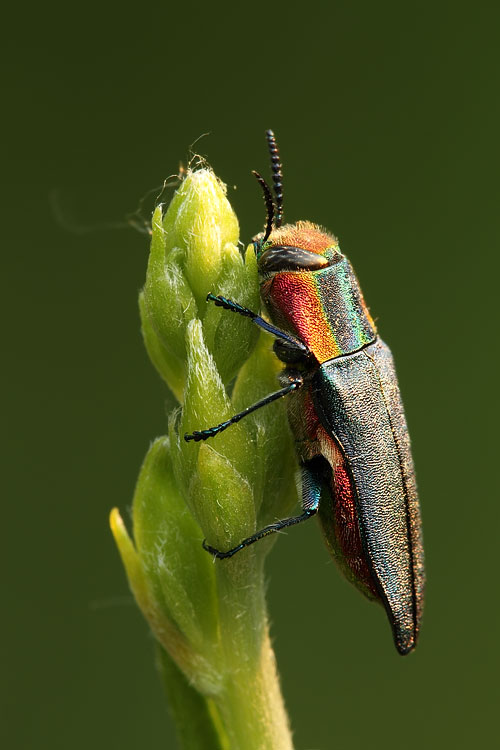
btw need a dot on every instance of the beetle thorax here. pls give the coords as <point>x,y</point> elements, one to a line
<point>310,290</point>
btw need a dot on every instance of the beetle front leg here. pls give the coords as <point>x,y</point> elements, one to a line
<point>312,483</point>
<point>234,307</point>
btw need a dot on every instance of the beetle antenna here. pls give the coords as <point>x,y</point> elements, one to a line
<point>268,199</point>
<point>277,175</point>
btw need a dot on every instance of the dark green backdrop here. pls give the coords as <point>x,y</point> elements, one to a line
<point>387,117</point>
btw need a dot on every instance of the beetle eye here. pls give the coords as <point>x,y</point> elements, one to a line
<point>287,258</point>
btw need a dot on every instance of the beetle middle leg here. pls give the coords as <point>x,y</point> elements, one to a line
<point>296,381</point>
<point>312,483</point>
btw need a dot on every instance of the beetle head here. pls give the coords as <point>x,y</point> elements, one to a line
<point>294,247</point>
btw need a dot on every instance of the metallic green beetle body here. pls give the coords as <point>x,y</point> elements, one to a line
<point>345,412</point>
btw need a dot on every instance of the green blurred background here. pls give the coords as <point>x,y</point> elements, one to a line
<point>387,118</point>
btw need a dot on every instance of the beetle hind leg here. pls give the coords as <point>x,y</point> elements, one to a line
<point>311,492</point>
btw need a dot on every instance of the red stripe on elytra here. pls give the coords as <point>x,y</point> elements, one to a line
<point>347,527</point>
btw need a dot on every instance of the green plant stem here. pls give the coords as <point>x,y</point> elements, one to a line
<point>251,704</point>
<point>194,715</point>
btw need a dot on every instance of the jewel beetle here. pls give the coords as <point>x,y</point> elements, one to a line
<point>344,409</point>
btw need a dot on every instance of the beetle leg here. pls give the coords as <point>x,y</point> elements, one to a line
<point>296,381</point>
<point>228,304</point>
<point>311,492</point>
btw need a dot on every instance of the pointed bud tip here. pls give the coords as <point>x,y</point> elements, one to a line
<point>115,521</point>
<point>124,543</point>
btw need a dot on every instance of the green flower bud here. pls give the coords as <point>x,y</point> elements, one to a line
<point>193,252</point>
<point>171,576</point>
<point>209,616</point>
<point>201,222</point>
